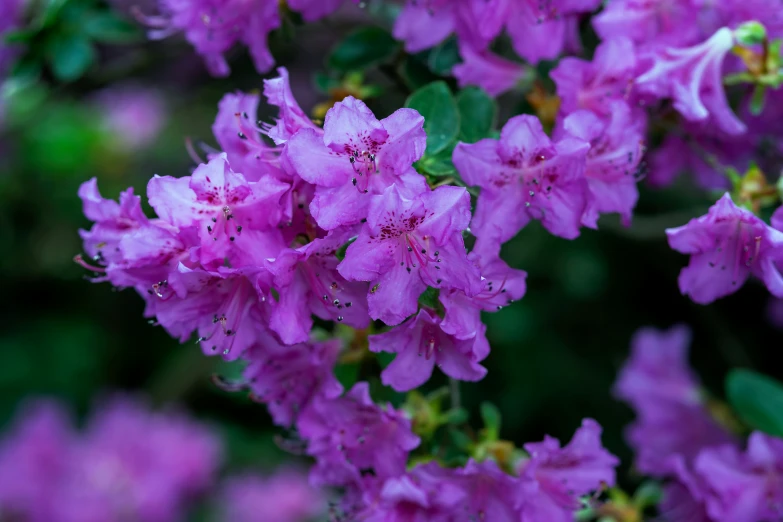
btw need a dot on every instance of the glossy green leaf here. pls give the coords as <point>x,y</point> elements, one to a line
<point>444,57</point>
<point>108,28</point>
<point>757,399</point>
<point>70,56</point>
<point>491,417</point>
<point>441,117</point>
<point>415,73</point>
<point>363,48</point>
<point>478,112</point>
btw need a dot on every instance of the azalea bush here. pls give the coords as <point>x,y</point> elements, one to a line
<point>465,243</point>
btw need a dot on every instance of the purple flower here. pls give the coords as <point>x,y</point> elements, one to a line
<point>616,149</point>
<point>426,493</point>
<point>224,206</point>
<point>351,437</point>
<point>492,73</point>
<point>594,85</point>
<point>653,23</point>
<point>420,345</point>
<point>129,249</point>
<point>525,176</point>
<point>291,117</point>
<point>733,13</point>
<point>133,463</point>
<point>129,463</point>
<point>408,244</point>
<point>491,492</point>
<point>672,420</point>
<point>501,286</point>
<point>312,10</point>
<point>682,499</point>
<point>214,26</point>
<point>554,478</point>
<point>228,308</point>
<point>34,456</point>
<point>11,12</point>
<point>308,283</point>
<point>726,246</point>
<point>113,221</point>
<point>536,40</point>
<point>743,487</point>
<point>239,139</point>
<point>693,78</point>
<point>425,23</point>
<point>288,378</point>
<point>689,153</point>
<point>355,156</point>
<point>134,115</point>
<point>284,496</point>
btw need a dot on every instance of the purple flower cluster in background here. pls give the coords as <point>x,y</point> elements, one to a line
<point>679,437</point>
<point>129,463</point>
<point>213,27</point>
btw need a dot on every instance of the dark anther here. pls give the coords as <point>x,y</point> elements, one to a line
<point>241,135</point>
<point>231,238</point>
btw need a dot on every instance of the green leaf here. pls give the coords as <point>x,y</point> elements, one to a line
<point>491,417</point>
<point>444,57</point>
<point>460,439</point>
<point>108,28</point>
<point>415,73</point>
<point>456,416</point>
<point>324,82</point>
<point>341,251</point>
<point>757,100</point>
<point>50,12</point>
<point>477,114</point>
<point>757,399</point>
<point>20,36</point>
<point>363,48</point>
<point>347,374</point>
<point>70,56</point>
<point>441,117</point>
<point>438,166</point>
<point>648,494</point>
<point>429,297</point>
<point>750,33</point>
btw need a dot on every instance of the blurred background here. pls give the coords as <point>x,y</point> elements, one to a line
<point>123,112</point>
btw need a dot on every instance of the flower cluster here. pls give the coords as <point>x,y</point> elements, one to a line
<point>283,497</point>
<point>290,229</point>
<point>128,463</point>
<point>681,437</point>
<point>547,485</point>
<point>213,27</point>
<point>244,250</point>
<point>335,223</point>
